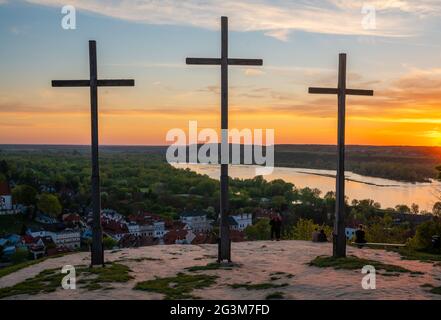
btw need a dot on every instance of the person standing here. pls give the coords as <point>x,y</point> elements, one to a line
<point>276,226</point>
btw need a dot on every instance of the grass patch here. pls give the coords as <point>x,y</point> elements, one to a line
<point>212,266</point>
<point>45,282</point>
<point>137,259</point>
<point>275,296</point>
<point>16,267</point>
<point>98,278</point>
<point>436,290</point>
<point>409,254</point>
<point>433,289</point>
<point>50,280</point>
<point>281,274</point>
<point>354,263</point>
<point>178,287</point>
<point>257,286</point>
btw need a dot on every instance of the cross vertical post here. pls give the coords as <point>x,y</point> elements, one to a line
<point>97,231</point>
<point>224,252</point>
<point>97,254</point>
<point>339,236</point>
<point>340,241</point>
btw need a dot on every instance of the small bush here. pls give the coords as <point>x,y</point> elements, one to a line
<point>304,228</point>
<point>109,243</point>
<point>423,236</point>
<point>21,255</point>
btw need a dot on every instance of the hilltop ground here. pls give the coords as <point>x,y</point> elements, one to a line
<point>262,268</point>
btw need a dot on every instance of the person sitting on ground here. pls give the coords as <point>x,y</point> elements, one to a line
<point>315,235</point>
<point>360,236</point>
<point>322,236</point>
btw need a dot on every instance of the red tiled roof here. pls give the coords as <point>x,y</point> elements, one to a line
<point>175,234</point>
<point>71,217</point>
<point>144,218</point>
<point>237,236</point>
<point>115,227</point>
<point>27,239</point>
<point>4,189</point>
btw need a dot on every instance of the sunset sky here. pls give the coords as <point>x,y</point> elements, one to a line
<point>148,40</point>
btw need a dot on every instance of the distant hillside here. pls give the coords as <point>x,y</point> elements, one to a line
<point>412,164</point>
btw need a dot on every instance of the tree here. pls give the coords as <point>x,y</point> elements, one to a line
<point>436,211</point>
<point>259,231</point>
<point>402,208</point>
<point>25,195</point>
<point>49,204</point>
<point>415,208</point>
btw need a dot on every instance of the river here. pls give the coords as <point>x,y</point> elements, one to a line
<point>388,193</point>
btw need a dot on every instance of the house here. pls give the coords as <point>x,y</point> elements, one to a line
<point>138,230</point>
<point>9,251</point>
<point>35,233</point>
<point>68,238</point>
<point>114,229</point>
<point>146,224</point>
<point>175,236</point>
<point>241,221</point>
<point>5,197</point>
<point>14,239</point>
<point>71,219</point>
<point>35,246</point>
<point>111,214</point>
<point>196,220</point>
<point>45,219</point>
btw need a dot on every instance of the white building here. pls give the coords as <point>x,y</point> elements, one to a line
<point>112,215</point>
<point>241,221</point>
<point>159,229</point>
<point>147,230</point>
<point>68,238</point>
<point>196,220</point>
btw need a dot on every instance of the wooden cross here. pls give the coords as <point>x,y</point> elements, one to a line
<point>339,240</point>
<point>94,83</point>
<point>224,252</point>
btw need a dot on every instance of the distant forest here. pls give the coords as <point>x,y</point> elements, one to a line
<point>410,164</point>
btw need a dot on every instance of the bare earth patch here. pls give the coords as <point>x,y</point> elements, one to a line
<point>283,266</point>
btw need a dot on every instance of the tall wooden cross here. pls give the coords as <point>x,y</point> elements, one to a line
<point>94,83</point>
<point>339,237</point>
<point>224,252</point>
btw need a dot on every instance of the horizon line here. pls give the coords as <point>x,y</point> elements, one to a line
<point>164,145</point>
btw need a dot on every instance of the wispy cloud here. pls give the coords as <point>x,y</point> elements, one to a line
<point>274,18</point>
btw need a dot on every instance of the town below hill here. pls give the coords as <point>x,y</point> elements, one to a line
<point>46,205</point>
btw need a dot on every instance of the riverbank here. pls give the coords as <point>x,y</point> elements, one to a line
<point>388,193</point>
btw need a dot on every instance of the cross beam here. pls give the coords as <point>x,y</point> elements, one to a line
<point>339,240</point>
<point>94,83</point>
<point>224,252</point>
